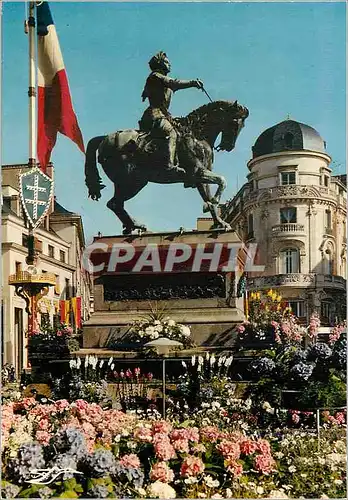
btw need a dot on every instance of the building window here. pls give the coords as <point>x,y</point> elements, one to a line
<point>25,240</point>
<point>51,251</point>
<point>290,262</point>
<point>298,308</point>
<point>328,262</point>
<point>288,215</point>
<point>328,222</point>
<point>67,288</point>
<point>62,255</point>
<point>250,226</point>
<point>326,312</point>
<point>326,180</point>
<point>18,267</point>
<point>6,201</point>
<point>288,178</point>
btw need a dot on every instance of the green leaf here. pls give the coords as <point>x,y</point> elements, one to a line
<point>68,494</point>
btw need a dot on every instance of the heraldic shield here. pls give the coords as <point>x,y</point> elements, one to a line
<point>36,191</point>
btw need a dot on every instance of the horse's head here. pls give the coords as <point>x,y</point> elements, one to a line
<point>232,119</point>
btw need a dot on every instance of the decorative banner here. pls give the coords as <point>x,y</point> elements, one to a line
<point>78,312</point>
<point>74,309</point>
<point>36,190</point>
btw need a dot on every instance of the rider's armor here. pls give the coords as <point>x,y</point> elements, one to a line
<point>156,118</point>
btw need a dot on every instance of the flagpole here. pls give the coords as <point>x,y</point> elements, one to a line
<point>32,86</point>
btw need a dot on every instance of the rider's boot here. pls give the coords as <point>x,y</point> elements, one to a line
<point>170,165</point>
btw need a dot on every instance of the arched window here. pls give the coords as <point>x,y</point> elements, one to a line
<point>328,261</point>
<point>289,261</point>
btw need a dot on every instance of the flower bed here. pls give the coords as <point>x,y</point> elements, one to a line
<point>110,453</point>
<point>52,343</point>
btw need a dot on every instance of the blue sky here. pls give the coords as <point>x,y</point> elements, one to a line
<point>278,59</point>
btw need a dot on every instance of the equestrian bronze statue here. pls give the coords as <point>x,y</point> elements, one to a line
<point>165,150</point>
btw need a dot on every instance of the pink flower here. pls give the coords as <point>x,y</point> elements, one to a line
<point>192,434</point>
<point>295,418</point>
<point>264,446</point>
<point>192,466</point>
<point>161,426</point>
<point>265,464</point>
<point>248,447</point>
<point>149,376</point>
<point>81,404</point>
<point>161,472</point>
<point>240,328</point>
<point>137,372</point>
<point>143,434</point>
<point>164,450</point>
<point>61,405</point>
<point>129,373</point>
<point>210,433</point>
<point>181,445</point>
<point>43,437</point>
<point>130,461</point>
<point>235,468</point>
<point>229,449</point>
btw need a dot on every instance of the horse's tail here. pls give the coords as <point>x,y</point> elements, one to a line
<point>92,178</point>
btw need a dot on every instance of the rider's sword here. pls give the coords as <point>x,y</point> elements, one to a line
<point>206,93</point>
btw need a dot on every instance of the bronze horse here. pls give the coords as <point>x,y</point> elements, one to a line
<point>132,158</point>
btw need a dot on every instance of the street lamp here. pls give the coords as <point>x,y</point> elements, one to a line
<point>163,345</point>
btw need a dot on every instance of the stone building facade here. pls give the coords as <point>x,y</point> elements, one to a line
<point>295,210</point>
<point>59,243</point>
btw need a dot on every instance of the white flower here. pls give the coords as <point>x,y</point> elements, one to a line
<point>185,330</point>
<point>193,360</point>
<point>321,461</point>
<point>110,361</point>
<point>200,360</point>
<point>171,323</point>
<point>292,468</point>
<point>212,359</point>
<point>207,356</point>
<point>228,361</point>
<point>72,363</point>
<point>191,480</point>
<point>141,491</point>
<point>78,363</point>
<point>228,493</point>
<point>101,363</point>
<point>217,495</point>
<point>184,364</point>
<point>338,481</point>
<point>211,483</point>
<point>277,494</point>
<point>112,367</point>
<point>279,454</point>
<point>160,490</point>
<point>259,490</point>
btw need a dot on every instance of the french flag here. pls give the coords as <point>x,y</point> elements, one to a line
<point>55,109</point>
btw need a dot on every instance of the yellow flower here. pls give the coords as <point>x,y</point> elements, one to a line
<point>274,297</point>
<point>279,298</point>
<point>258,295</point>
<point>252,296</point>
<point>266,308</point>
<point>270,293</point>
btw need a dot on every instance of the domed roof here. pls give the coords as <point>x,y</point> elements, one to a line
<point>288,135</point>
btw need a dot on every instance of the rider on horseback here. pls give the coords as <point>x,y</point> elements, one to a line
<point>156,119</point>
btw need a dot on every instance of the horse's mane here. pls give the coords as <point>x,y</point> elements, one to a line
<point>198,117</point>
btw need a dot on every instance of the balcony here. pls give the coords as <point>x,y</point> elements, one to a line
<point>23,277</point>
<point>335,282</point>
<point>292,280</point>
<point>284,229</point>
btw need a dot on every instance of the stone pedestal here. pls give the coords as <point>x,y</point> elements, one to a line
<point>201,296</point>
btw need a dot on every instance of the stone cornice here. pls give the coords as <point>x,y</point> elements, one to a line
<point>288,154</point>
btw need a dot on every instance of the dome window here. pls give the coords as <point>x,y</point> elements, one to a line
<point>287,178</point>
<point>289,140</point>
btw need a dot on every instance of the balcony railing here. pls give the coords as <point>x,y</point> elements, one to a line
<point>288,228</point>
<point>25,277</point>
